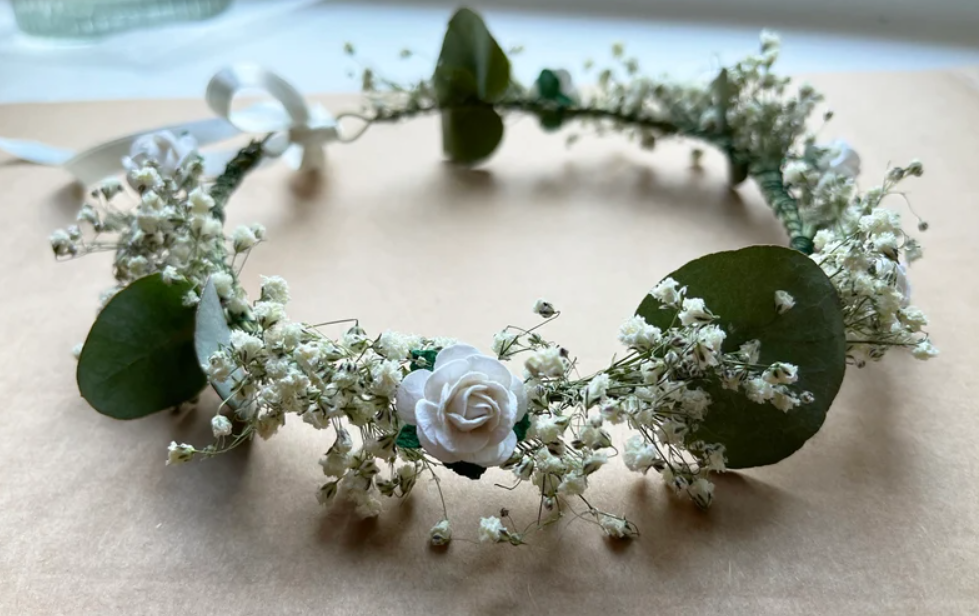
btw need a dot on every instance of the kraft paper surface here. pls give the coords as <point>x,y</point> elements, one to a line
<point>878,514</point>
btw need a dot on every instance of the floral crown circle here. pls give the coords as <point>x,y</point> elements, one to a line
<point>730,362</point>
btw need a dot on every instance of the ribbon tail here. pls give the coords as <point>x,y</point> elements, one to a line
<point>313,158</point>
<point>36,152</point>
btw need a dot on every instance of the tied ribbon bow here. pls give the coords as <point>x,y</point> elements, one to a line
<point>298,132</point>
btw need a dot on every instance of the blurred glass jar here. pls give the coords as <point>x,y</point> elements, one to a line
<point>93,18</point>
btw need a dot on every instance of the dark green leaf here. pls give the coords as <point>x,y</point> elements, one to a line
<point>139,355</point>
<point>466,469</point>
<point>549,88</point>
<point>469,49</point>
<point>521,427</point>
<point>740,286</point>
<point>408,438</point>
<point>423,360</point>
<point>210,334</point>
<point>549,85</point>
<point>470,134</point>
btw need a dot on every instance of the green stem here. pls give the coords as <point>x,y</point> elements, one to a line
<point>537,107</point>
<point>234,174</point>
<point>768,176</point>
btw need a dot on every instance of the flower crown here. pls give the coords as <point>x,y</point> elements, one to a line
<point>731,361</point>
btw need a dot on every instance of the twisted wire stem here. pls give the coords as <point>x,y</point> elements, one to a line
<point>786,208</point>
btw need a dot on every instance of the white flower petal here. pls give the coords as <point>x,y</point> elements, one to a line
<point>495,456</point>
<point>492,368</point>
<point>507,419</point>
<point>466,408</point>
<point>410,391</point>
<point>445,375</point>
<point>472,409</point>
<point>435,450</point>
<point>519,390</point>
<point>453,353</point>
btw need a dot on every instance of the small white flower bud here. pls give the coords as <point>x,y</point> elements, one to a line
<point>220,426</point>
<point>544,308</point>
<point>179,453</point>
<point>441,533</point>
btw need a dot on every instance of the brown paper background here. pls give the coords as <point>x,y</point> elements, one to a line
<point>878,514</point>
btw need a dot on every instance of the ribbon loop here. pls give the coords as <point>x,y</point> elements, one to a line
<point>306,128</point>
<point>300,132</point>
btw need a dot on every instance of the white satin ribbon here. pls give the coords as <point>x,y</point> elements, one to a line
<point>299,132</point>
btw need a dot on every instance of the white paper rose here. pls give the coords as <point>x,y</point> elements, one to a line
<point>166,149</point>
<point>840,159</point>
<point>465,409</point>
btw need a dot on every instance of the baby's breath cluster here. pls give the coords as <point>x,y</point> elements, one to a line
<point>176,227</point>
<point>655,388</point>
<point>866,253</point>
<point>278,367</point>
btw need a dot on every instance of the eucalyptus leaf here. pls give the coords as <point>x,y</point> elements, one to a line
<point>455,86</point>
<point>471,134</point>
<point>210,334</point>
<point>740,286</point>
<point>139,356</point>
<point>469,48</point>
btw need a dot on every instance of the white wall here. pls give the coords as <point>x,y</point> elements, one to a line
<point>943,21</point>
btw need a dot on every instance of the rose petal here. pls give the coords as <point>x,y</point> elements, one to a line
<point>446,374</point>
<point>479,411</point>
<point>435,450</point>
<point>433,424</point>
<point>410,391</point>
<point>466,409</point>
<point>495,456</point>
<point>453,353</point>
<point>464,444</point>
<point>507,417</point>
<point>519,390</point>
<point>492,368</point>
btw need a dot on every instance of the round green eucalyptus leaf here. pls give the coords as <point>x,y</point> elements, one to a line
<point>470,134</point>
<point>469,47</point>
<point>211,332</point>
<point>740,286</point>
<point>139,356</point>
<point>455,85</point>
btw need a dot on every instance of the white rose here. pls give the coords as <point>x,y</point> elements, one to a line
<point>840,159</point>
<point>466,408</point>
<point>166,149</point>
